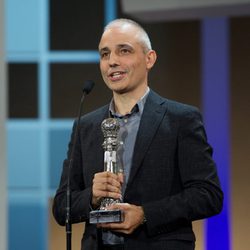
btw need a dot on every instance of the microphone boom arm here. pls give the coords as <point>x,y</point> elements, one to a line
<point>88,86</point>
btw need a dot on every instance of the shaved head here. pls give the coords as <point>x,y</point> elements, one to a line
<point>141,34</point>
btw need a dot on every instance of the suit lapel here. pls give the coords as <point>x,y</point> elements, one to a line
<point>152,116</point>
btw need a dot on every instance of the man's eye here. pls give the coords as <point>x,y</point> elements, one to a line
<point>125,51</point>
<point>104,55</point>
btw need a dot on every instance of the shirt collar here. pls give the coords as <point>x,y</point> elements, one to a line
<point>139,106</point>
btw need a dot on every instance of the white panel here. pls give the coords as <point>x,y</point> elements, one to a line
<point>148,5</point>
<point>160,10</point>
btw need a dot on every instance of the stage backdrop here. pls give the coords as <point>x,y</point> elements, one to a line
<point>51,49</point>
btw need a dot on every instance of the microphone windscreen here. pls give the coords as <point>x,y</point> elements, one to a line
<point>88,86</point>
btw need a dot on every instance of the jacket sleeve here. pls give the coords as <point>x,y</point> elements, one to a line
<point>200,195</point>
<point>80,195</point>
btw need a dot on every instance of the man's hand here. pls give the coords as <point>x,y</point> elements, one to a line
<point>106,184</point>
<point>133,218</point>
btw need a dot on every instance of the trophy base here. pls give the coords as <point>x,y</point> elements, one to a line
<point>105,216</point>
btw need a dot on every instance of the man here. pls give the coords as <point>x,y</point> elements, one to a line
<point>170,178</point>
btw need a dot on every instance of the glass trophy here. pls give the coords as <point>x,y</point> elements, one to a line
<point>110,128</point>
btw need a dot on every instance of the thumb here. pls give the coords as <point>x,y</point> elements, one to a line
<point>122,206</point>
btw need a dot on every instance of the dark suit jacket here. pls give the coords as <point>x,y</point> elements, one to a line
<point>172,176</point>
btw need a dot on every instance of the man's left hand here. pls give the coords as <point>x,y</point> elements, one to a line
<point>133,218</point>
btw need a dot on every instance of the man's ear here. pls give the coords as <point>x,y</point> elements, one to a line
<point>151,58</point>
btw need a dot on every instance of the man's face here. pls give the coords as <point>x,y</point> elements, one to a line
<point>123,63</point>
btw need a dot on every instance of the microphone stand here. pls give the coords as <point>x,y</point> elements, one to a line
<point>68,225</point>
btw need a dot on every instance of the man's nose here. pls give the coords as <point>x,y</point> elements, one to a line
<point>113,60</point>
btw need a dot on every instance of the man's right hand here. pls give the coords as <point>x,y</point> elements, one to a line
<point>106,184</point>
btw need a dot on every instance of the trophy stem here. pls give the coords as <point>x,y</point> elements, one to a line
<point>110,129</point>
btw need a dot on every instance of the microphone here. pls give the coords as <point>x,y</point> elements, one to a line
<point>87,87</point>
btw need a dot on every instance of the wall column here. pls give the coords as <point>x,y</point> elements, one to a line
<point>216,110</point>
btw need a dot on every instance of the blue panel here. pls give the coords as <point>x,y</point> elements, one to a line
<point>110,10</point>
<point>59,140</point>
<point>216,109</point>
<point>24,159</point>
<point>74,56</point>
<point>23,25</point>
<point>27,225</point>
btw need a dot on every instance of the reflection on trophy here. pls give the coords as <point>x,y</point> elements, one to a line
<point>110,129</point>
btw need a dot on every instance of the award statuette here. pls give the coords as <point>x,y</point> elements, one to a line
<point>110,128</point>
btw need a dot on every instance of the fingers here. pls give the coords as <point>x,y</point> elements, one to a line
<point>105,184</point>
<point>106,187</point>
<point>107,180</point>
<point>121,177</point>
<point>122,206</point>
<point>133,216</point>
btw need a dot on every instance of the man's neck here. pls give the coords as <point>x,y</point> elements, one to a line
<point>125,102</point>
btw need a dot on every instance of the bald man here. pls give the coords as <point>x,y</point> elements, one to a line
<point>170,178</point>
